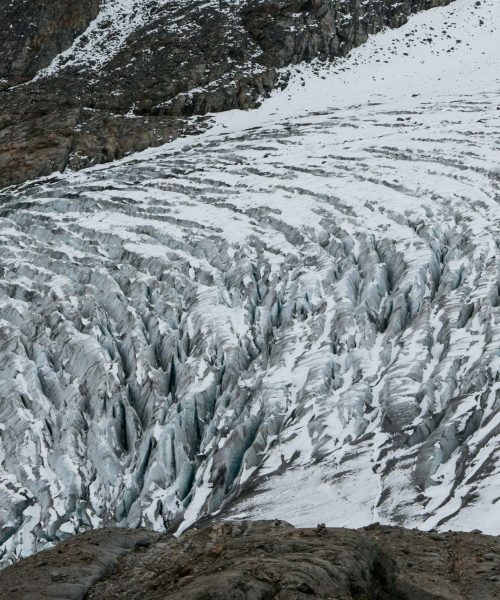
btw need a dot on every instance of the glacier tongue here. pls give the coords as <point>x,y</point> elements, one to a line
<point>295,314</point>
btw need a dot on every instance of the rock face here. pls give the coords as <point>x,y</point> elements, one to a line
<point>124,75</point>
<point>70,570</point>
<point>261,560</point>
<point>33,33</point>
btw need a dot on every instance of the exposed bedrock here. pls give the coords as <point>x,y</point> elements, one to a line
<point>33,33</point>
<point>259,561</point>
<point>142,67</point>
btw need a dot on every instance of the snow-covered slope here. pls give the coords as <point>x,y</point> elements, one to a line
<point>301,304</point>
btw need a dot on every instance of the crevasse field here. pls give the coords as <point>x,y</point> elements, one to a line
<point>295,314</point>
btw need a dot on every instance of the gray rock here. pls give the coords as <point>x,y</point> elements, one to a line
<point>218,55</point>
<point>262,561</point>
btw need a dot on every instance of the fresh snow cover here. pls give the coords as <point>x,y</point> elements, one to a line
<point>294,314</point>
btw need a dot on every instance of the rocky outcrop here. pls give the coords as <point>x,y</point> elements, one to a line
<point>141,68</point>
<point>73,567</point>
<point>259,561</point>
<point>33,33</point>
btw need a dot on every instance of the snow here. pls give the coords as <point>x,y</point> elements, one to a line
<point>304,298</point>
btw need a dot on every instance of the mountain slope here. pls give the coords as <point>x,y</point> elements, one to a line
<point>88,82</point>
<point>294,314</point>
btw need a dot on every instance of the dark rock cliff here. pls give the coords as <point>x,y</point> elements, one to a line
<point>32,33</point>
<point>181,59</point>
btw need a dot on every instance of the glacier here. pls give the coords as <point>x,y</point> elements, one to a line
<point>293,314</point>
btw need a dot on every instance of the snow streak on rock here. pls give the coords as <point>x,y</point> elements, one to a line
<point>303,301</point>
<point>108,32</point>
<point>106,35</point>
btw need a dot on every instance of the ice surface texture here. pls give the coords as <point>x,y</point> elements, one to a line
<point>303,299</point>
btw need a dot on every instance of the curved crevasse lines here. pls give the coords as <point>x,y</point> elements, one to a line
<point>309,307</point>
<point>162,340</point>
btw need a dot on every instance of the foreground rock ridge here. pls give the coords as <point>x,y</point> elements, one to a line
<point>261,560</point>
<point>86,82</point>
<point>294,314</point>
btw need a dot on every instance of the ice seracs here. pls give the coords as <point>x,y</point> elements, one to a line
<point>293,315</point>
